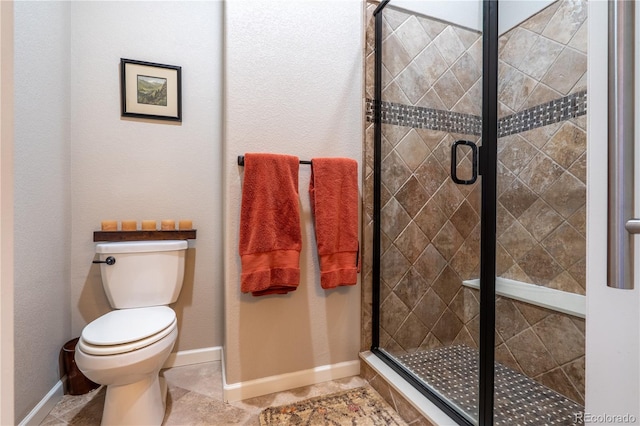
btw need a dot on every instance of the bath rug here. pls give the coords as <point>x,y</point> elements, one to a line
<point>359,406</point>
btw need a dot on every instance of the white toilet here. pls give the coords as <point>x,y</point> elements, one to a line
<point>126,348</point>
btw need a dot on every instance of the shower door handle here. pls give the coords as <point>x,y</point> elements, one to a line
<point>454,162</point>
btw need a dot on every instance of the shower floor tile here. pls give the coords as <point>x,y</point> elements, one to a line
<point>519,400</point>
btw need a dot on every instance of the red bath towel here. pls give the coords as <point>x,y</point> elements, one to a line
<point>270,237</point>
<point>333,191</point>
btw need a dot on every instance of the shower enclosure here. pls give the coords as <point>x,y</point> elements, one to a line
<point>476,173</point>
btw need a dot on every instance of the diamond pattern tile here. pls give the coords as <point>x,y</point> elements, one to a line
<point>430,219</point>
<point>413,82</point>
<point>449,45</point>
<point>565,245</point>
<point>431,175</point>
<point>447,285</point>
<point>412,242</point>
<point>517,198</point>
<point>394,55</point>
<point>515,153</point>
<point>569,143</point>
<point>430,263</point>
<point>539,265</point>
<point>412,196</point>
<point>413,150</point>
<point>540,219</point>
<point>393,266</point>
<point>430,238</point>
<point>393,219</point>
<point>518,45</point>
<point>413,36</point>
<point>448,240</point>
<point>539,58</point>
<point>447,327</point>
<point>467,71</point>
<point>448,197</point>
<point>561,338</point>
<point>566,21</point>
<point>566,71</point>
<point>411,333</point>
<point>394,172</point>
<point>465,305</point>
<point>429,308</point>
<point>517,241</point>
<point>411,288</point>
<point>449,89</point>
<point>464,219</point>
<point>566,195</point>
<point>540,173</point>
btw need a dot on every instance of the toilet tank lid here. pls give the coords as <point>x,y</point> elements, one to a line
<point>141,246</point>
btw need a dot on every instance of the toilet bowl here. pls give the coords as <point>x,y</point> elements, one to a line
<point>128,360</point>
<point>126,348</point>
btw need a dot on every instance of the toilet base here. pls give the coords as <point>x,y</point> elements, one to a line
<point>136,404</point>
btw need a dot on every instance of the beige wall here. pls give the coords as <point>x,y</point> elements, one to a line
<point>6,213</point>
<point>42,198</point>
<point>293,86</point>
<point>137,169</point>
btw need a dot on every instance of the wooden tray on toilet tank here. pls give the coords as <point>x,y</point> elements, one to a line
<point>182,234</point>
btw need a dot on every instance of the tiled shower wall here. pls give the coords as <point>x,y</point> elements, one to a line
<point>430,233</point>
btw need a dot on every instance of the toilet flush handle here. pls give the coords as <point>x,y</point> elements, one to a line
<point>109,260</point>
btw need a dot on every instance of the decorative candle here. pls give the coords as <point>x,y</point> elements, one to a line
<point>129,225</point>
<point>185,224</point>
<point>149,225</point>
<point>109,225</point>
<point>168,225</point>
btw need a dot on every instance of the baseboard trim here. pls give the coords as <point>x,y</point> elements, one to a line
<point>193,356</point>
<point>282,382</point>
<point>46,404</point>
<point>176,359</point>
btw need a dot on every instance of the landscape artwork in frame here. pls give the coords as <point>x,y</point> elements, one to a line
<point>151,90</point>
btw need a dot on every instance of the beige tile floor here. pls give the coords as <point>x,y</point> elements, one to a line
<point>195,398</point>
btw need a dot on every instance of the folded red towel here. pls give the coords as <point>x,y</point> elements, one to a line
<point>270,237</point>
<point>334,201</point>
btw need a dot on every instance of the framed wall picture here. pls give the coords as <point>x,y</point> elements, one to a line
<point>151,90</point>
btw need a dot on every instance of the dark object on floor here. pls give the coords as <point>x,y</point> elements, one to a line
<point>77,383</point>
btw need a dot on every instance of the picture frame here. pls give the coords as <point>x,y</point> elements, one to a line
<point>150,90</point>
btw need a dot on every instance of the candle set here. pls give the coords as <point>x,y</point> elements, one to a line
<point>146,225</point>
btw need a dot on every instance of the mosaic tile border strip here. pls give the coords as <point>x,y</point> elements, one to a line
<point>519,400</point>
<point>426,118</point>
<point>555,111</point>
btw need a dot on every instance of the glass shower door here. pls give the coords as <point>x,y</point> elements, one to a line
<point>541,214</point>
<point>429,226</point>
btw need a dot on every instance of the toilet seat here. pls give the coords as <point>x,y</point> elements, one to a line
<point>126,330</point>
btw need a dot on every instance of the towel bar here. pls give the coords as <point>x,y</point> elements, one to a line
<point>241,161</point>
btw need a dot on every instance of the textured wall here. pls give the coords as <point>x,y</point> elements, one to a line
<point>148,169</point>
<point>293,86</point>
<point>42,203</point>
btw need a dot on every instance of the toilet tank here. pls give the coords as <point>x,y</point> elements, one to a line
<point>145,273</point>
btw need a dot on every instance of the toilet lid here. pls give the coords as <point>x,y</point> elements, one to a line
<point>128,325</point>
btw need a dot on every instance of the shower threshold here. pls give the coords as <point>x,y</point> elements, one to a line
<point>452,372</point>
